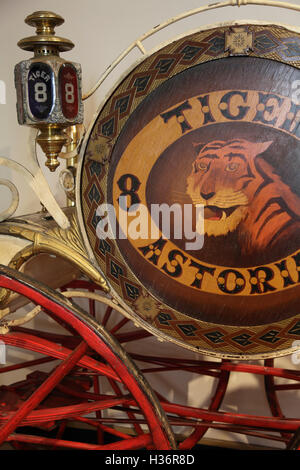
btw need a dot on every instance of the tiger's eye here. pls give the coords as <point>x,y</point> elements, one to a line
<point>201,166</point>
<point>232,166</point>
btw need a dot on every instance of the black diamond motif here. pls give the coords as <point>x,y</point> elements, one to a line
<point>215,337</point>
<point>295,330</point>
<point>141,83</point>
<point>270,336</point>
<point>104,247</point>
<point>116,270</point>
<point>188,330</point>
<point>189,52</point>
<point>243,339</point>
<point>95,220</point>
<point>264,43</point>
<point>164,65</point>
<point>122,104</point>
<point>132,291</point>
<point>95,168</point>
<point>94,194</point>
<point>108,127</point>
<point>217,45</point>
<point>292,48</point>
<point>164,318</point>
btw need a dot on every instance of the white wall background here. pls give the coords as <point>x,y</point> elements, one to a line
<point>101,30</point>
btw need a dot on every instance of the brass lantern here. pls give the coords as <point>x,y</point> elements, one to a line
<point>48,87</point>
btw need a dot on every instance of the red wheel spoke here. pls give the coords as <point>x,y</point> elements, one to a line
<point>119,325</point>
<point>107,315</point>
<point>42,391</point>
<point>215,404</point>
<point>272,396</point>
<point>127,444</point>
<point>247,430</point>
<point>50,414</point>
<point>132,336</point>
<point>130,414</point>
<point>32,343</point>
<point>25,364</point>
<point>263,422</point>
<point>96,385</point>
<point>92,307</point>
<point>70,341</point>
<point>285,387</point>
<point>103,428</point>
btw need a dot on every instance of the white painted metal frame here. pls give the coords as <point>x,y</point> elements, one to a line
<point>213,6</point>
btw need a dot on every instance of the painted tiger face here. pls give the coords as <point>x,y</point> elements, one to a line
<point>222,181</point>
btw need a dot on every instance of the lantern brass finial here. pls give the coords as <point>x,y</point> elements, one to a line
<point>45,42</point>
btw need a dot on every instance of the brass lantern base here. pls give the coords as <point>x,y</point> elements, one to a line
<point>52,138</point>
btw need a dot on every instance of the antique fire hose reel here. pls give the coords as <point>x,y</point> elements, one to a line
<point>231,302</point>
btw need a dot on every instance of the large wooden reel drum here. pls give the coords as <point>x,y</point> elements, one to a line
<point>210,120</point>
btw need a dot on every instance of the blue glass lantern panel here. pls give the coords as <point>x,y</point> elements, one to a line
<point>40,90</point>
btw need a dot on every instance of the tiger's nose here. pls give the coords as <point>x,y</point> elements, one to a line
<point>207,196</point>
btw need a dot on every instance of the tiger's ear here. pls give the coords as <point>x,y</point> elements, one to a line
<point>261,147</point>
<point>197,147</point>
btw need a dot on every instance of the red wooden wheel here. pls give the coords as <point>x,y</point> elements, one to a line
<point>278,428</point>
<point>81,359</point>
<point>275,384</point>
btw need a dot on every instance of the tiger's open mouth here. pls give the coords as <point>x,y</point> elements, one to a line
<point>218,213</point>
